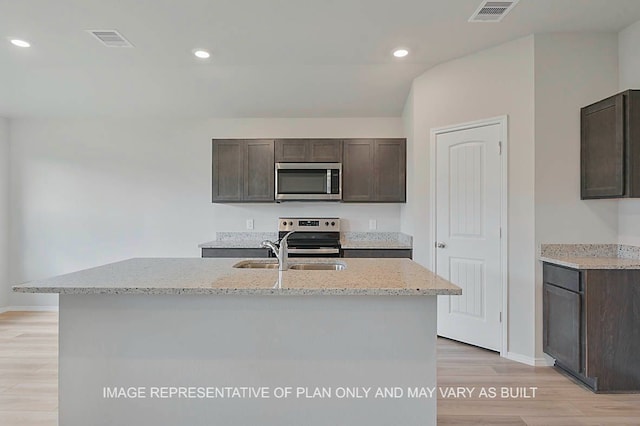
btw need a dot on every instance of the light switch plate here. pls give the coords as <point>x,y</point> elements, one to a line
<point>373,224</point>
<point>249,224</point>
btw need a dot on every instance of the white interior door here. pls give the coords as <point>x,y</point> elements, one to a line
<point>468,247</point>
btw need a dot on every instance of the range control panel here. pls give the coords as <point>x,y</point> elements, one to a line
<point>309,224</point>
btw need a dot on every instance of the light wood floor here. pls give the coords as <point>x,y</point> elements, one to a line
<point>29,372</point>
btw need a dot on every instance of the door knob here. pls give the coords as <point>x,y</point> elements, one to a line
<point>440,245</point>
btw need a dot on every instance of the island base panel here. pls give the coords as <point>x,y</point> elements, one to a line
<point>335,342</point>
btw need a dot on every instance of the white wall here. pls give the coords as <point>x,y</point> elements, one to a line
<point>89,192</point>
<point>629,68</point>
<point>490,83</point>
<point>571,71</point>
<point>4,212</point>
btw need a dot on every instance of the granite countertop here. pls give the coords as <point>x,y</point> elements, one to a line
<point>234,243</point>
<point>349,240</point>
<point>378,277</point>
<point>239,239</point>
<point>376,240</point>
<point>591,256</point>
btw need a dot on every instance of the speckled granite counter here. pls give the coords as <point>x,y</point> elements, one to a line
<point>591,256</point>
<point>349,240</point>
<point>383,277</point>
<point>239,239</point>
<point>376,240</point>
<point>234,243</point>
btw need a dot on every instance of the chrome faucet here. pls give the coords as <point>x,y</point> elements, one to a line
<point>282,253</point>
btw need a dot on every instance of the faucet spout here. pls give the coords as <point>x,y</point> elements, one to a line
<point>284,252</point>
<point>272,246</point>
<point>281,253</point>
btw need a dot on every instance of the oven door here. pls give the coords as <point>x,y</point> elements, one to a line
<point>308,181</point>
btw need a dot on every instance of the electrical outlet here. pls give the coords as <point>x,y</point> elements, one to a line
<point>373,224</point>
<point>249,224</point>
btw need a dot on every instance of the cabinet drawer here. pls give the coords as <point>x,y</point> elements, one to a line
<point>562,277</point>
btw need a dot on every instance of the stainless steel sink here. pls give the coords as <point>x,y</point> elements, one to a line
<point>318,266</point>
<point>249,264</point>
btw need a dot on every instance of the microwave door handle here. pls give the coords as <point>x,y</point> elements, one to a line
<point>275,191</point>
<point>328,181</point>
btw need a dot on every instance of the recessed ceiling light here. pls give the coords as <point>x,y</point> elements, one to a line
<point>400,53</point>
<point>20,43</point>
<point>202,54</point>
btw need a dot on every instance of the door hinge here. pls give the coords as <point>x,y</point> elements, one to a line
<point>500,148</point>
<point>500,316</point>
<point>501,232</point>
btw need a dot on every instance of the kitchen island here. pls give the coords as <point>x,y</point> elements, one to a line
<point>199,342</point>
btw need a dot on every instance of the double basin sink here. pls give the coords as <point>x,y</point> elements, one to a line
<point>324,266</point>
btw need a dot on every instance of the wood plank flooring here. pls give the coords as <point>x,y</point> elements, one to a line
<point>29,374</point>
<point>559,400</point>
<point>28,368</point>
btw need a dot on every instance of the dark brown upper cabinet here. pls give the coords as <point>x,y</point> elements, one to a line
<point>610,147</point>
<point>243,170</point>
<point>308,150</point>
<point>374,170</point>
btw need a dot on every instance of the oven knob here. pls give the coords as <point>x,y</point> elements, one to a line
<point>333,224</point>
<point>326,223</point>
<point>284,223</point>
<point>291,223</point>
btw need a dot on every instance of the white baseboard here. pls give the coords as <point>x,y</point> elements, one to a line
<point>29,309</point>
<point>523,359</point>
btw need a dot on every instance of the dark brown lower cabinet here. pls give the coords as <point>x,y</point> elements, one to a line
<point>236,252</point>
<point>591,325</point>
<point>562,340</point>
<point>378,253</point>
<point>261,253</point>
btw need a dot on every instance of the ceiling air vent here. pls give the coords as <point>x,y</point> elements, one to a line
<point>110,38</point>
<point>493,11</point>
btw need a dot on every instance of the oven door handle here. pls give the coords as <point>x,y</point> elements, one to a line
<point>314,251</point>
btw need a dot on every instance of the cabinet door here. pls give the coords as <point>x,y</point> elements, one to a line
<point>357,170</point>
<point>259,171</point>
<point>377,253</point>
<point>290,150</point>
<point>227,170</point>
<point>389,170</point>
<point>561,326</point>
<point>235,252</point>
<point>324,151</point>
<point>602,149</point>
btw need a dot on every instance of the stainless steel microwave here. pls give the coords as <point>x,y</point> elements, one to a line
<point>308,181</point>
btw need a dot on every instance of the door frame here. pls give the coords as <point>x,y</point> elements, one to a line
<point>503,121</point>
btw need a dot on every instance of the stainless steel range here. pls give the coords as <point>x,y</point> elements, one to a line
<point>314,237</point>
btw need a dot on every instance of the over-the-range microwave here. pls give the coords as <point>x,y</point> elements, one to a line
<point>308,181</point>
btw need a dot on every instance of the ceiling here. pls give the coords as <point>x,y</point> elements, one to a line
<point>275,58</point>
